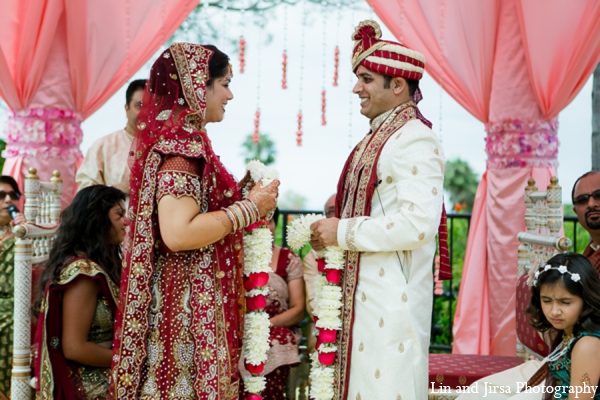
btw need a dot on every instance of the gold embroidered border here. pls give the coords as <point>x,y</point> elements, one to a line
<point>355,205</point>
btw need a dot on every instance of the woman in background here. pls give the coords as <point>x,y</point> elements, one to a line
<point>9,195</point>
<point>80,291</point>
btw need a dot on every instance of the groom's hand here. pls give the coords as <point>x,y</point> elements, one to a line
<point>324,233</point>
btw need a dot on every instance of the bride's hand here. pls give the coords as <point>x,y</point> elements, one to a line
<point>265,198</point>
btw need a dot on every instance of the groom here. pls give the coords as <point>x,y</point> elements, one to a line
<point>388,207</point>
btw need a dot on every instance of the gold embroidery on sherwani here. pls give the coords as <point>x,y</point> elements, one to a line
<point>355,203</point>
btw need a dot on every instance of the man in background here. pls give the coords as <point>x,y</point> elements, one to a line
<point>586,204</point>
<point>106,160</point>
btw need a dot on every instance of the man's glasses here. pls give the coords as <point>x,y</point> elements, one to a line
<point>583,199</point>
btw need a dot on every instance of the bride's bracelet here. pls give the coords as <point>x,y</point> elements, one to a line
<point>242,213</point>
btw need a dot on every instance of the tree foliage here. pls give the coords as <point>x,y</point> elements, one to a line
<point>461,183</point>
<point>264,150</point>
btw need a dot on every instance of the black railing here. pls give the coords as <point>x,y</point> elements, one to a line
<point>445,299</point>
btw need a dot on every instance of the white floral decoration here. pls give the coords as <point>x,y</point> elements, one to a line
<point>562,269</point>
<point>255,384</point>
<point>256,337</point>
<point>575,277</point>
<point>298,233</point>
<point>258,291</point>
<point>321,378</point>
<point>328,303</point>
<point>547,267</point>
<point>258,251</point>
<point>259,171</point>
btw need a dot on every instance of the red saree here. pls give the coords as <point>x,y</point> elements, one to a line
<point>57,377</point>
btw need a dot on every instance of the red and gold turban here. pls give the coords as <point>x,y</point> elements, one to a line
<point>382,56</point>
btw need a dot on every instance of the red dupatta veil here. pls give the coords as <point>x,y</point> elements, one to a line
<point>173,108</point>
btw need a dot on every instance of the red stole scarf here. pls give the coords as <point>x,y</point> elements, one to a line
<point>129,352</point>
<point>355,190</point>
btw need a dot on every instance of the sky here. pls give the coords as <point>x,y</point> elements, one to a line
<point>313,169</point>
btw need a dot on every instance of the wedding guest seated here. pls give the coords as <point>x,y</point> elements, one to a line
<point>80,291</point>
<point>285,306</point>
<point>9,195</point>
<point>565,302</point>
<point>586,204</point>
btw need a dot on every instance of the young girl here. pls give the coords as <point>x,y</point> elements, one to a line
<point>565,296</point>
<point>565,305</point>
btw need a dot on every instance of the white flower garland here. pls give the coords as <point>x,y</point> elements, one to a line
<point>328,308</point>
<point>258,251</point>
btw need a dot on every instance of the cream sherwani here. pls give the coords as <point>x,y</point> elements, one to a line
<point>106,162</point>
<point>394,292</point>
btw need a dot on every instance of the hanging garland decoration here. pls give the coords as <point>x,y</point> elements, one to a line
<point>256,133</point>
<point>258,251</point>
<point>323,91</point>
<point>242,42</point>
<point>328,307</point>
<point>284,62</point>
<point>336,65</point>
<point>336,53</point>
<point>299,131</point>
<point>242,45</point>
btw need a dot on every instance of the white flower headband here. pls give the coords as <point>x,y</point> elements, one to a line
<point>562,269</point>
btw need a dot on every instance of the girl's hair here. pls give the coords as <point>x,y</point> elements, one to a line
<point>218,65</point>
<point>85,230</point>
<point>588,288</point>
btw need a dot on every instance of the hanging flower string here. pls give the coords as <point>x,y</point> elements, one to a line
<point>242,54</point>
<point>299,131</point>
<point>284,71</point>
<point>256,134</point>
<point>258,251</point>
<point>328,308</point>
<point>336,64</point>
<point>323,107</point>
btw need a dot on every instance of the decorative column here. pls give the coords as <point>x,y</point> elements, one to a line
<point>519,143</point>
<point>47,139</point>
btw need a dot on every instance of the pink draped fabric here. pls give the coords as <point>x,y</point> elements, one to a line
<point>64,59</point>
<point>513,64</point>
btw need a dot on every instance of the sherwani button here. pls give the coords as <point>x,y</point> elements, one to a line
<point>377,374</point>
<point>421,236</point>
<point>434,191</point>
<point>381,323</point>
<point>398,397</point>
<point>363,297</point>
<point>381,272</point>
<point>401,347</point>
<point>415,170</point>
<point>361,347</point>
<point>389,179</point>
<point>404,297</point>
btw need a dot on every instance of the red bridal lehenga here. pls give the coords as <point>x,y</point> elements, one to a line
<point>178,327</point>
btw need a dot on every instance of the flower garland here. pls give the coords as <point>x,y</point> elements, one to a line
<point>258,251</point>
<point>328,309</point>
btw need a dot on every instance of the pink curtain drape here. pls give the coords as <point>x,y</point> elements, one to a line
<point>513,64</point>
<point>63,60</point>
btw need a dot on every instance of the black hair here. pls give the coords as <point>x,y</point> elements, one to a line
<point>133,87</point>
<point>218,65</point>
<point>9,180</point>
<point>85,230</point>
<point>412,84</point>
<point>577,181</point>
<point>587,287</point>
